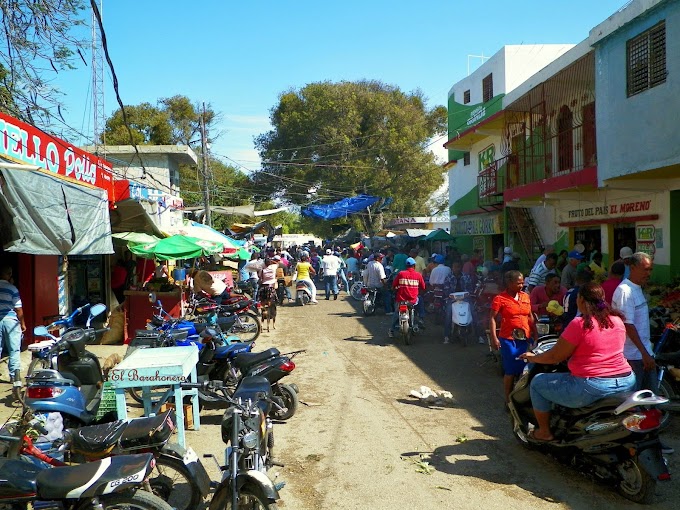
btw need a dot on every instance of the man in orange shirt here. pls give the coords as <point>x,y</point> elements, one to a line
<point>514,307</point>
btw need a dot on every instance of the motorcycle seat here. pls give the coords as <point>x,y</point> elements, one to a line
<point>612,401</point>
<point>144,432</point>
<point>249,387</point>
<point>248,359</point>
<point>224,351</point>
<point>225,322</point>
<point>97,440</point>
<point>670,358</point>
<point>87,480</point>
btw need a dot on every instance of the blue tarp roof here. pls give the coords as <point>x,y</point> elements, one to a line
<point>340,209</point>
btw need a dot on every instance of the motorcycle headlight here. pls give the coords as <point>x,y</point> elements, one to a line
<point>250,440</point>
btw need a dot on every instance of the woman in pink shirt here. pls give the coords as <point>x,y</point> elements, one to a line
<point>594,343</point>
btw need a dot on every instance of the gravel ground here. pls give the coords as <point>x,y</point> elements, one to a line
<point>358,438</point>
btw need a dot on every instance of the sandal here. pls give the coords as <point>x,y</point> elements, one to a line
<point>531,435</point>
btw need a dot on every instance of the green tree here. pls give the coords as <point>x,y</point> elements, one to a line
<point>333,140</point>
<point>38,39</point>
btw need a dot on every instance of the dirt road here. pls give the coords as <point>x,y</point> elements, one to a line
<point>358,439</point>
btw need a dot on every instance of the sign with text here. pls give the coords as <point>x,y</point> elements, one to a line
<point>645,233</point>
<point>26,144</point>
<point>611,210</point>
<point>480,225</point>
<point>486,157</point>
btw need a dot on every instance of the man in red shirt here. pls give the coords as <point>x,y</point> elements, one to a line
<point>615,277</point>
<point>543,294</point>
<point>407,284</point>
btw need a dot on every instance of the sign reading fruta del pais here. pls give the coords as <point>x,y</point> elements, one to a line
<point>26,144</point>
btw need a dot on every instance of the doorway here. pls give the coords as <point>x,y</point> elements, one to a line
<point>590,238</point>
<point>624,235</point>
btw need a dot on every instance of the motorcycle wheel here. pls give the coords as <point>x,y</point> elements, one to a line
<point>405,332</point>
<point>37,364</point>
<point>636,484</point>
<point>355,290</point>
<point>140,500</point>
<point>171,481</point>
<point>251,497</point>
<point>369,307</point>
<point>230,382</point>
<point>290,401</point>
<point>250,329</point>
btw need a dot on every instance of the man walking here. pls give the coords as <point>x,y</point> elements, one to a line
<point>537,276</point>
<point>12,324</point>
<point>331,266</point>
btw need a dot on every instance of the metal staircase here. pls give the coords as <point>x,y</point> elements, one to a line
<point>522,224</point>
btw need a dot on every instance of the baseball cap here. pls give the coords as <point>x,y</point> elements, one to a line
<point>554,308</point>
<point>439,259</point>
<point>328,252</point>
<point>507,250</point>
<point>625,252</point>
<point>575,255</point>
<point>276,257</point>
<point>410,261</point>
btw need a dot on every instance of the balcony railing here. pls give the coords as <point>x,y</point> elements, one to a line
<point>491,183</point>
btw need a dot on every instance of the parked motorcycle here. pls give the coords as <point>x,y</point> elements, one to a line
<point>272,365</point>
<point>614,439</point>
<point>667,357</point>
<point>461,326</point>
<point>113,482</point>
<point>371,299</point>
<point>407,323</point>
<point>249,436</point>
<point>437,303</point>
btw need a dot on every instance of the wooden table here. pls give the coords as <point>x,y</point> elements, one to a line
<point>165,367</point>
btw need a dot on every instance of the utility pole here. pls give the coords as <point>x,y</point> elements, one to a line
<point>204,149</point>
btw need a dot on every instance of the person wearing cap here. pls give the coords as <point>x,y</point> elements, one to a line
<point>569,271</point>
<point>507,254</point>
<point>626,255</point>
<point>331,266</point>
<point>407,285</point>
<point>541,295</point>
<point>537,276</point>
<point>440,272</point>
<point>375,278</point>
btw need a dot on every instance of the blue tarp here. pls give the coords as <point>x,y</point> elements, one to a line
<point>340,209</point>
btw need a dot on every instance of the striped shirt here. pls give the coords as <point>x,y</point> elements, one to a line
<point>9,299</point>
<point>537,276</point>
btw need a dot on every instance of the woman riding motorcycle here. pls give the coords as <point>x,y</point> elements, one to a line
<point>593,343</point>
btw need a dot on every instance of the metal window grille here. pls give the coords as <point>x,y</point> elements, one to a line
<point>466,97</point>
<point>487,88</point>
<point>466,159</point>
<point>646,59</point>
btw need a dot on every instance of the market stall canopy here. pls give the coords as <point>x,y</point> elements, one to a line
<point>199,231</point>
<point>175,247</point>
<point>239,210</point>
<point>439,235</point>
<point>135,237</point>
<point>51,216</point>
<point>130,216</point>
<point>241,230</point>
<point>418,232</point>
<point>341,208</point>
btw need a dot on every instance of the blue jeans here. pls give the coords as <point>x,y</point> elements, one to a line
<point>254,282</point>
<point>10,330</point>
<point>343,277</point>
<point>570,391</point>
<point>331,282</point>
<point>644,379</point>
<point>387,299</point>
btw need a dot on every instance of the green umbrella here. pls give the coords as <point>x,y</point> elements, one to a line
<point>439,235</point>
<point>176,247</point>
<point>135,237</point>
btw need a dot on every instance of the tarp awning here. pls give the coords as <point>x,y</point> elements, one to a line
<point>45,215</point>
<point>341,208</point>
<point>418,232</point>
<point>130,216</point>
<point>175,247</point>
<point>200,231</point>
<point>439,235</point>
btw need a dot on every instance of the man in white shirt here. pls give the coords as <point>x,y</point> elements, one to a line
<point>331,265</point>
<point>440,272</point>
<point>375,278</point>
<point>548,250</point>
<point>630,300</point>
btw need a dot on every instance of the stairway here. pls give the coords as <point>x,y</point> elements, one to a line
<point>523,226</point>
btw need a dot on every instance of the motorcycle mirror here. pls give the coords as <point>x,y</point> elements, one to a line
<point>152,297</point>
<point>40,331</point>
<point>97,309</point>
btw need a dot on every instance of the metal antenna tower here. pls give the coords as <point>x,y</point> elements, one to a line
<point>98,86</point>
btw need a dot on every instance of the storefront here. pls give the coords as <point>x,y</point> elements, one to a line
<point>479,232</point>
<point>54,203</point>
<point>607,220</point>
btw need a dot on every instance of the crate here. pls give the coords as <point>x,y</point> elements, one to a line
<point>188,413</point>
<point>108,402</point>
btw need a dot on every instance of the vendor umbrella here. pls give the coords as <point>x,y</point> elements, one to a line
<point>439,235</point>
<point>205,233</point>
<point>135,237</point>
<point>176,247</point>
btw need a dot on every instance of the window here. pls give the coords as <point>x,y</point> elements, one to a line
<point>487,88</point>
<point>466,159</point>
<point>646,59</point>
<point>466,97</point>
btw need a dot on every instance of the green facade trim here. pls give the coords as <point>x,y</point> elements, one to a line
<point>468,202</point>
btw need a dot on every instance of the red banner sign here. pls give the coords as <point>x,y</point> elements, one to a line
<point>26,144</point>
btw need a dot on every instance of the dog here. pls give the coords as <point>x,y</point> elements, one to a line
<point>268,302</point>
<point>110,363</point>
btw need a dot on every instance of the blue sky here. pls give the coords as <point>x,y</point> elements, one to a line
<point>240,56</point>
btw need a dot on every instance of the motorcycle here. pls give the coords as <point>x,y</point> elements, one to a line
<point>614,439</point>
<point>177,476</point>
<point>407,323</point>
<point>113,482</point>
<point>250,439</point>
<point>303,295</point>
<point>461,325</point>
<point>667,357</point>
<point>437,304</point>
<point>371,298</point>
<point>273,366</point>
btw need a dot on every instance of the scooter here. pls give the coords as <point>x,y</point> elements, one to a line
<point>461,325</point>
<point>614,439</point>
<point>303,295</point>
